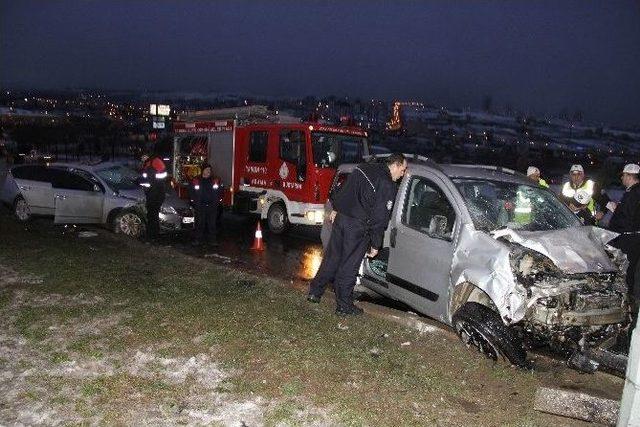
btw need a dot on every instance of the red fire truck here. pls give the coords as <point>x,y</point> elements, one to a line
<point>280,171</point>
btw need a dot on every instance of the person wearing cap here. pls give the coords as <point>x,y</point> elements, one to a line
<point>578,206</point>
<point>626,221</point>
<point>205,194</point>
<point>152,179</point>
<point>577,182</point>
<point>533,173</point>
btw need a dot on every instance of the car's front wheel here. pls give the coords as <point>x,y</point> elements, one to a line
<point>21,210</point>
<point>482,328</point>
<point>129,223</point>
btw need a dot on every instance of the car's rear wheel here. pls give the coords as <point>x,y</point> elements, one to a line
<point>21,210</point>
<point>480,327</point>
<point>277,219</point>
<point>129,223</point>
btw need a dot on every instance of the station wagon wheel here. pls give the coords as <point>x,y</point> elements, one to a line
<point>21,210</point>
<point>482,328</point>
<point>129,223</point>
<point>277,219</point>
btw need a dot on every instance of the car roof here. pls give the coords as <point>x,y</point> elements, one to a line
<point>84,166</point>
<point>453,171</point>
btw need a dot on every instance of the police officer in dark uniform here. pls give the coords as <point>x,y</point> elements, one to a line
<point>205,193</point>
<point>153,177</point>
<point>363,207</point>
<point>626,221</point>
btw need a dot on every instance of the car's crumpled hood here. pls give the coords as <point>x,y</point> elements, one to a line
<point>573,250</point>
<point>483,259</point>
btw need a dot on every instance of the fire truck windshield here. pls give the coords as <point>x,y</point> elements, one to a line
<point>333,149</point>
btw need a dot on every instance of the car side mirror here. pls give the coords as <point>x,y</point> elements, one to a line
<point>438,226</point>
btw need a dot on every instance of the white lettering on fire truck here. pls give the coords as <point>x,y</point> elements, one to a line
<point>293,185</point>
<point>259,182</point>
<point>256,169</point>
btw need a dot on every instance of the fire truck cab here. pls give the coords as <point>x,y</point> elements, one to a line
<point>280,171</point>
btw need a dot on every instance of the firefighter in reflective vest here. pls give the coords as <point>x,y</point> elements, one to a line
<point>205,193</point>
<point>578,182</point>
<point>533,173</point>
<point>153,177</point>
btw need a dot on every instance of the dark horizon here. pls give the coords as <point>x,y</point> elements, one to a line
<point>538,57</point>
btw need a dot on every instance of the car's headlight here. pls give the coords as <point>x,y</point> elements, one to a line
<point>168,210</point>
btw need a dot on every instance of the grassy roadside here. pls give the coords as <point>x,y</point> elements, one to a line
<point>119,332</point>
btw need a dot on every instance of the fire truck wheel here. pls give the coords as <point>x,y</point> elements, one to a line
<point>277,219</point>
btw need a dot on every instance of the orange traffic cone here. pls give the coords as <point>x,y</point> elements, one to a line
<point>257,240</point>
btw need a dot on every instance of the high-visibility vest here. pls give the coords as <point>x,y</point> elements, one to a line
<point>542,183</point>
<point>522,213</point>
<point>588,185</point>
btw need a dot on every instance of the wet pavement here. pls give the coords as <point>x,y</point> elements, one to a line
<point>293,256</point>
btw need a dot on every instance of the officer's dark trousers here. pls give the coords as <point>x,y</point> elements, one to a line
<point>630,245</point>
<point>153,204</point>
<point>346,249</point>
<point>206,219</point>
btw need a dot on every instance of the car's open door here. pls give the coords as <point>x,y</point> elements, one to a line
<point>421,245</point>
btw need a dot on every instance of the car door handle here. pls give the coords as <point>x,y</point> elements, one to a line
<point>61,197</point>
<point>25,187</point>
<point>392,237</point>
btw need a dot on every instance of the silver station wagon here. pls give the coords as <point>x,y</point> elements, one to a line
<point>106,193</point>
<point>501,260</point>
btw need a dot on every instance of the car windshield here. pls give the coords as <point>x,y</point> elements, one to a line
<point>333,149</point>
<point>119,177</point>
<point>494,204</point>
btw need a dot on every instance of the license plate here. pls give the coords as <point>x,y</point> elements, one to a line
<point>187,220</point>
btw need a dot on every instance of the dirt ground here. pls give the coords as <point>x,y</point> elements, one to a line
<point>103,330</point>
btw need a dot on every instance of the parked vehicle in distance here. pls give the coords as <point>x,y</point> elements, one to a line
<point>106,193</point>
<point>504,262</point>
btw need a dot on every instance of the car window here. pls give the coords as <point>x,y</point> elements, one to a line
<point>427,209</point>
<point>69,181</point>
<point>31,173</point>
<point>496,204</point>
<point>119,177</point>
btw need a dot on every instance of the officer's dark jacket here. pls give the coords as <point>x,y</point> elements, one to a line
<point>368,195</point>
<point>626,217</point>
<point>205,191</point>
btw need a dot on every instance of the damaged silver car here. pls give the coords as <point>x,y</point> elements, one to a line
<point>501,260</point>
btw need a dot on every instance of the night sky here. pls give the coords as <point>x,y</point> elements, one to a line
<point>536,56</point>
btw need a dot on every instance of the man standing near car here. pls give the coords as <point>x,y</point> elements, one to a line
<point>153,176</point>
<point>205,193</point>
<point>363,208</point>
<point>626,221</point>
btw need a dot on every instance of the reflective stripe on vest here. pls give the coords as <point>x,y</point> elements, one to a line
<point>161,175</point>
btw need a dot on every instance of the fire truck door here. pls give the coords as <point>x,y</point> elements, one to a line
<point>292,167</point>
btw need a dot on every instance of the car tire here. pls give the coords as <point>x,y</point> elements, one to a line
<point>129,223</point>
<point>21,209</point>
<point>277,219</point>
<point>479,326</point>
